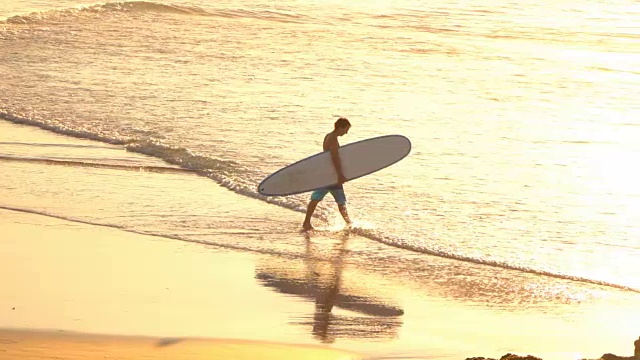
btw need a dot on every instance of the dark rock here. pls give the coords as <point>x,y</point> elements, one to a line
<point>508,357</point>
<point>616,357</point>
<point>518,357</point>
<point>603,357</point>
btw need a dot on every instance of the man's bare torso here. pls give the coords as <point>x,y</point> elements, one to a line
<point>330,140</point>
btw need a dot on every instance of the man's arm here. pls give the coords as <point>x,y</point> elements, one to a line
<point>335,157</point>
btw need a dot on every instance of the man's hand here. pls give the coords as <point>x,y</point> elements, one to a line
<point>341,179</point>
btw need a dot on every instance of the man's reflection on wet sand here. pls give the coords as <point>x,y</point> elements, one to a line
<point>321,280</point>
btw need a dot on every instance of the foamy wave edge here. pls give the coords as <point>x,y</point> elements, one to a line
<point>166,236</point>
<point>222,172</point>
<point>403,244</point>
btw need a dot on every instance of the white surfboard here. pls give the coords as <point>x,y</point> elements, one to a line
<point>317,171</point>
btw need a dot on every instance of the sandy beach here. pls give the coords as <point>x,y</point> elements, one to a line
<point>76,287</point>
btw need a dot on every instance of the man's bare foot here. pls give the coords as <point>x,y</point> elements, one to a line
<point>307,227</point>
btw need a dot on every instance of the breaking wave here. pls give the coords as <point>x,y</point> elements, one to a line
<point>142,7</point>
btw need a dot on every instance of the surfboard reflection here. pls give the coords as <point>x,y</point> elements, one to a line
<point>320,279</point>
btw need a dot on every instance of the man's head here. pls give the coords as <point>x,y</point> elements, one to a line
<point>342,126</point>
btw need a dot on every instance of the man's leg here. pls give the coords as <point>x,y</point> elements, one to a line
<point>341,200</point>
<point>343,211</point>
<point>316,197</point>
<point>306,225</point>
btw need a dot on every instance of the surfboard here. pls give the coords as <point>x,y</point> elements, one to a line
<point>317,171</point>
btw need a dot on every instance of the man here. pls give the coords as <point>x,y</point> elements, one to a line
<point>341,127</point>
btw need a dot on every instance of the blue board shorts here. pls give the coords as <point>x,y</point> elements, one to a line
<point>337,191</point>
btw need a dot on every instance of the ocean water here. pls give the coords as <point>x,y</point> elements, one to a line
<point>523,116</point>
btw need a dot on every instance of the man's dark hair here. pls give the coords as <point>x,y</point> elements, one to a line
<point>342,123</point>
